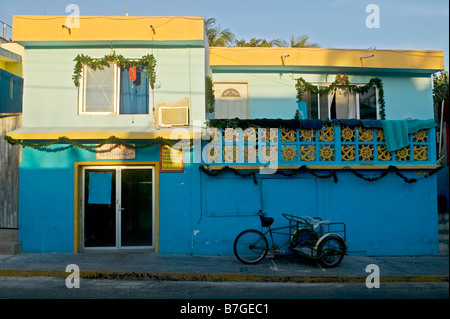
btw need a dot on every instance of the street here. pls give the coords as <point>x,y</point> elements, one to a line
<point>55,288</point>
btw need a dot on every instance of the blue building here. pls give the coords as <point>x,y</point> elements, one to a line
<point>118,156</point>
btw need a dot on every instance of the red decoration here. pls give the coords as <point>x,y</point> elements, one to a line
<point>132,73</point>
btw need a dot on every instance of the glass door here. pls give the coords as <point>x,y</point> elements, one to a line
<point>118,207</point>
<point>136,210</point>
<point>100,208</point>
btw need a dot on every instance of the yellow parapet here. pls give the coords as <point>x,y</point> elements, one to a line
<point>367,58</point>
<point>108,28</point>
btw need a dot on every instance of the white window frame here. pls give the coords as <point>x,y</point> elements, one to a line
<point>357,101</point>
<point>82,93</point>
<point>117,95</point>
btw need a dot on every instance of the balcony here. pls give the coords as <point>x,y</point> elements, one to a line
<point>331,144</point>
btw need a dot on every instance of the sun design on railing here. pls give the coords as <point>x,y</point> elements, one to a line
<point>365,152</point>
<point>326,153</point>
<point>347,134</point>
<point>402,154</point>
<point>307,135</point>
<point>288,153</point>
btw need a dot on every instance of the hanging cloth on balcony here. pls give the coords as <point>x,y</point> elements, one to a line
<point>417,125</point>
<point>396,134</point>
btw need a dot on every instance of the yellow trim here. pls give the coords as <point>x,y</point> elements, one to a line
<point>107,28</point>
<point>98,135</point>
<point>77,197</point>
<point>9,65</point>
<point>397,59</point>
<point>341,167</point>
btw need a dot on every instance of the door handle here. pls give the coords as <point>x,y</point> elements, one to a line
<point>121,209</point>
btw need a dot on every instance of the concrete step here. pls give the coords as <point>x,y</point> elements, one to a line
<point>9,248</point>
<point>9,235</point>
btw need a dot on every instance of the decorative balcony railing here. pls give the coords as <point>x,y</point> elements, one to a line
<point>328,145</point>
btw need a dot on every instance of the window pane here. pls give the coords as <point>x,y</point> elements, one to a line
<point>368,105</point>
<point>99,90</point>
<point>134,94</point>
<point>323,100</point>
<point>345,104</point>
<point>311,104</point>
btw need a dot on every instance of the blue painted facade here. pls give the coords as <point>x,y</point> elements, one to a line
<point>202,214</point>
<point>11,87</point>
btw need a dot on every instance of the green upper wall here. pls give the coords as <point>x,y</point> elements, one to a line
<point>51,98</point>
<point>273,95</point>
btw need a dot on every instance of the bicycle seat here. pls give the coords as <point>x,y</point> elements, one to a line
<point>266,221</point>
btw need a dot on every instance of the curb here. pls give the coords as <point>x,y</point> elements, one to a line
<point>220,277</point>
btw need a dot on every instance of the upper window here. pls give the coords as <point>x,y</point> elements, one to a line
<point>114,90</point>
<point>231,100</point>
<point>342,104</point>
<point>134,91</point>
<point>99,90</point>
<point>231,93</point>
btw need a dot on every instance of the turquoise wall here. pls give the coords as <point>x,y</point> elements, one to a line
<point>273,95</point>
<point>51,98</point>
<point>202,215</point>
<point>46,200</point>
<point>386,217</point>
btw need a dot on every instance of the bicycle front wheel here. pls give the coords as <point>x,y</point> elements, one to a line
<point>250,247</point>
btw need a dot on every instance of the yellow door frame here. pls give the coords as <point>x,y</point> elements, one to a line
<point>77,197</point>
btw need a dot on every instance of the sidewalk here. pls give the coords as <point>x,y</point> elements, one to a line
<point>135,265</point>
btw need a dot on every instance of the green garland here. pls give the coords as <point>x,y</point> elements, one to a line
<point>230,169</point>
<point>147,61</point>
<point>302,169</point>
<point>209,95</point>
<point>237,172</point>
<point>65,140</point>
<point>302,85</point>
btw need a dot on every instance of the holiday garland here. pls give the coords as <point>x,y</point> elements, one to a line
<point>44,146</point>
<point>342,83</point>
<point>209,95</point>
<point>304,169</point>
<point>147,61</point>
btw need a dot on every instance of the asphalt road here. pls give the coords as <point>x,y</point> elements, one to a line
<point>55,288</point>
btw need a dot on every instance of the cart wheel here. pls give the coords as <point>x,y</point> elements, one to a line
<point>306,238</point>
<point>250,247</point>
<point>333,249</point>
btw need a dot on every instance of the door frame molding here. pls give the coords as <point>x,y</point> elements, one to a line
<point>78,192</point>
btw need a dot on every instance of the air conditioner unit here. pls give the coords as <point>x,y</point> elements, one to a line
<point>173,116</point>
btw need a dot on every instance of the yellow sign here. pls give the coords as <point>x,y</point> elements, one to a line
<point>115,151</point>
<point>171,160</point>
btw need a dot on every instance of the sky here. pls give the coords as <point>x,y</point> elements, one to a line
<point>403,24</point>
